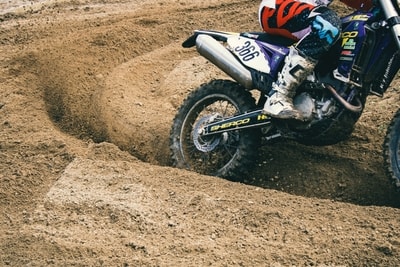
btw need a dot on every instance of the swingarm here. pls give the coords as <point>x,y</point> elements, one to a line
<point>251,119</point>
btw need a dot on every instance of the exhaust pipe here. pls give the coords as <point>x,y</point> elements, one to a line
<point>215,52</point>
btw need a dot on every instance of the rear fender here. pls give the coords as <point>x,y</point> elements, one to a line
<point>217,35</point>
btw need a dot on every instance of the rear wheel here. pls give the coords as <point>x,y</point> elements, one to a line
<point>391,149</point>
<point>228,155</point>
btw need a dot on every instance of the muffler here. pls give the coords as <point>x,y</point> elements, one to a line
<point>216,53</point>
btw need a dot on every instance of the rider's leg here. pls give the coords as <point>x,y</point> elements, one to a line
<point>322,32</point>
<point>280,102</point>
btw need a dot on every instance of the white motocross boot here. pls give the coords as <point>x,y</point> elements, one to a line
<point>280,103</point>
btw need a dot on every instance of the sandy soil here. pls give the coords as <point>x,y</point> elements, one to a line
<point>88,93</point>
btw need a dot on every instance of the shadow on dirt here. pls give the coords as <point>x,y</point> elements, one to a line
<point>324,172</point>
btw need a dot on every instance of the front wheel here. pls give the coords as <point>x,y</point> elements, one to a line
<point>228,154</point>
<point>391,149</point>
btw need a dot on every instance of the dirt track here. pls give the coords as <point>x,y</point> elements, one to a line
<point>88,93</point>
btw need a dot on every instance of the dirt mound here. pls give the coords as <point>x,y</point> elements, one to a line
<point>89,90</point>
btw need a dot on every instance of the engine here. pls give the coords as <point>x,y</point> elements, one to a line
<point>327,119</point>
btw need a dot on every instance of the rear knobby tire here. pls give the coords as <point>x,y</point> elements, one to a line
<point>229,155</point>
<point>391,150</point>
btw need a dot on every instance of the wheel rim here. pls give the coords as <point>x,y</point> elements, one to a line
<point>208,155</point>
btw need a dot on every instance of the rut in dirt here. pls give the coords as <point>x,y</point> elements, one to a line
<point>128,97</point>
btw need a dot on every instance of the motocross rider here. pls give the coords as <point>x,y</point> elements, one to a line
<point>315,28</point>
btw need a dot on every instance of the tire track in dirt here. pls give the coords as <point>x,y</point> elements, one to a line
<point>127,89</point>
<point>142,95</point>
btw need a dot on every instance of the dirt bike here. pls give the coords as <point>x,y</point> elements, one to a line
<point>220,126</point>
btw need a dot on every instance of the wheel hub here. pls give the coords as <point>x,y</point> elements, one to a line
<point>205,143</point>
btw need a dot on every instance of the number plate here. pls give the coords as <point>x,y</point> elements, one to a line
<point>249,53</point>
